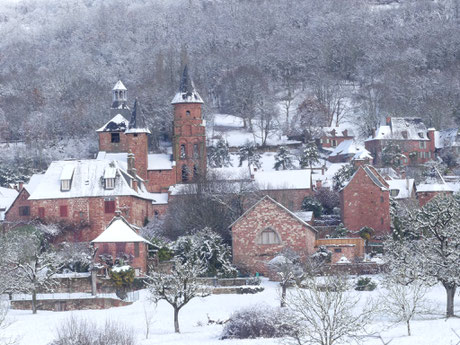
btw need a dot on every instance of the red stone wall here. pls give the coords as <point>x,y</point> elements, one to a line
<point>424,197</point>
<point>338,140</point>
<point>139,262</point>
<point>375,147</point>
<point>12,215</point>
<point>351,248</point>
<point>159,181</point>
<point>365,204</point>
<point>105,142</point>
<point>137,143</point>
<point>250,255</point>
<point>188,131</point>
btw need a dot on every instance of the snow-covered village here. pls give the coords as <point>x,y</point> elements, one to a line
<point>229,172</point>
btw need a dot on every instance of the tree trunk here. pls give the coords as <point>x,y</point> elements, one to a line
<point>408,327</point>
<point>176,320</point>
<point>450,290</point>
<point>34,301</point>
<point>93,282</point>
<point>283,295</point>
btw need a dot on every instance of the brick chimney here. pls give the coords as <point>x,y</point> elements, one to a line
<point>388,121</point>
<point>20,186</point>
<point>131,169</point>
<point>431,136</point>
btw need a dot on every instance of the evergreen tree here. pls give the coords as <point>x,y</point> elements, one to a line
<point>342,176</point>
<point>283,159</point>
<point>341,230</point>
<point>309,155</point>
<point>392,155</point>
<point>219,155</point>
<point>249,152</point>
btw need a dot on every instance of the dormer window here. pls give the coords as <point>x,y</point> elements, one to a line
<point>109,177</point>
<point>115,137</point>
<point>65,185</point>
<point>66,177</point>
<point>109,183</point>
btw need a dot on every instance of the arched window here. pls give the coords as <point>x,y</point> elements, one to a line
<point>183,151</point>
<point>184,173</point>
<point>156,214</point>
<point>187,113</point>
<point>268,236</point>
<point>196,151</point>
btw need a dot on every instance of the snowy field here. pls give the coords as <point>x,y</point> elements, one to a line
<point>40,329</point>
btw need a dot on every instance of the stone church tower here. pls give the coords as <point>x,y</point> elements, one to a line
<point>137,140</point>
<point>189,133</point>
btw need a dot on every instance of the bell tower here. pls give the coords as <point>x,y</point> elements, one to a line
<point>189,133</point>
<point>120,100</point>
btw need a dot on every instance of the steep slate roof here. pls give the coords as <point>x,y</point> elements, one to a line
<point>87,182</point>
<point>266,197</point>
<point>447,138</point>
<point>117,124</point>
<point>187,92</point>
<point>402,128</point>
<point>137,121</point>
<point>119,230</point>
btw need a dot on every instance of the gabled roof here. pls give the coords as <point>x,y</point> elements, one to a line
<point>266,197</point>
<point>187,92</point>
<point>119,86</point>
<point>119,230</point>
<point>348,147</point>
<point>7,197</point>
<point>117,124</point>
<point>373,175</point>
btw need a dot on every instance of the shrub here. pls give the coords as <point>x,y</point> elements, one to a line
<point>257,322</point>
<point>311,204</point>
<point>76,331</point>
<point>365,284</point>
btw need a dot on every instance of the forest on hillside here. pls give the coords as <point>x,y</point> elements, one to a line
<point>59,60</point>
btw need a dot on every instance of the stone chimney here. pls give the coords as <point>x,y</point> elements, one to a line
<point>388,121</point>
<point>20,186</point>
<point>131,169</point>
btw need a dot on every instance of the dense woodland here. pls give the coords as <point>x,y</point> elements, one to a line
<point>59,60</point>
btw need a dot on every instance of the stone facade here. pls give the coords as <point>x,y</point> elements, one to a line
<point>365,201</point>
<point>106,143</point>
<point>251,251</point>
<point>289,198</point>
<point>138,145</point>
<point>189,141</point>
<point>159,181</point>
<point>351,248</point>
<point>332,137</point>
<point>21,209</point>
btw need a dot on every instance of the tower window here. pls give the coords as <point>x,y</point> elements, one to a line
<point>196,151</point>
<point>115,137</point>
<point>184,173</point>
<point>187,113</point>
<point>183,152</point>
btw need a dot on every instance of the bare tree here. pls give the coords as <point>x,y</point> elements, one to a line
<point>403,302</point>
<point>178,287</point>
<point>327,313</point>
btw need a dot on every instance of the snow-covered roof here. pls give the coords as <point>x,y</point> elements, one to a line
<point>117,124</point>
<point>86,181</point>
<point>434,187</point>
<point>362,155</point>
<point>120,157</point>
<point>373,174</point>
<point>404,187</point>
<point>160,161</point>
<point>119,86</point>
<point>266,197</point>
<point>187,97</point>
<point>306,216</point>
<point>283,179</point>
<point>119,230</point>
<point>402,128</point>
<point>230,173</point>
<point>338,131</point>
<point>447,138</point>
<point>67,172</point>
<point>348,147</point>
<point>7,197</point>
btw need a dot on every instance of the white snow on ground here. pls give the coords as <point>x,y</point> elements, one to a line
<point>40,329</point>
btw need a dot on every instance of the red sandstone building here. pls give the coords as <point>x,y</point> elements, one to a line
<point>416,142</point>
<point>83,195</point>
<point>264,230</point>
<point>333,136</point>
<point>365,201</point>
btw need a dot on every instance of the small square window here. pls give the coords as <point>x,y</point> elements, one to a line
<point>115,137</point>
<point>24,211</point>
<point>109,206</point>
<point>337,250</point>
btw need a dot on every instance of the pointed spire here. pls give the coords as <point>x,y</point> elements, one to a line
<point>119,86</point>
<point>187,92</point>
<point>137,121</point>
<point>186,84</point>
